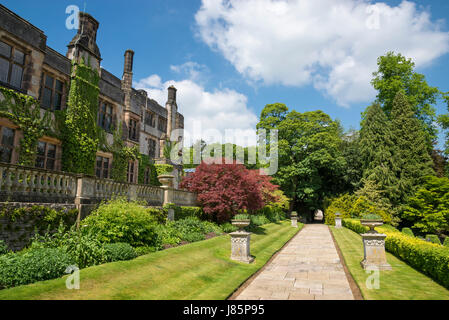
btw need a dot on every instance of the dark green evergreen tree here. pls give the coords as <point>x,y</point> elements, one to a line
<point>410,158</point>
<point>376,149</point>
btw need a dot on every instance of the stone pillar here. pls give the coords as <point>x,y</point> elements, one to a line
<point>294,218</point>
<point>85,193</point>
<point>171,214</point>
<point>167,185</point>
<point>240,250</point>
<point>240,241</point>
<point>374,252</point>
<point>338,220</point>
<point>132,192</point>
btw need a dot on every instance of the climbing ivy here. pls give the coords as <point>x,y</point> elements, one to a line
<point>25,112</point>
<point>80,132</point>
<point>122,155</point>
<point>155,170</point>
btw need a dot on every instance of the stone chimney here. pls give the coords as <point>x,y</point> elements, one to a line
<point>172,109</point>
<point>172,95</point>
<point>127,79</point>
<point>84,43</point>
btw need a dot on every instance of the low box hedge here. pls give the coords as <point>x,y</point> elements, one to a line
<point>429,258</point>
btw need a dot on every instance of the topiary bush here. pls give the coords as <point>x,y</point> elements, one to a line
<point>433,238</point>
<point>32,266</point>
<point>119,252</point>
<point>408,232</point>
<point>123,221</point>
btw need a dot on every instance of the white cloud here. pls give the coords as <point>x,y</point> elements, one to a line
<point>332,44</point>
<point>206,112</point>
<point>192,70</point>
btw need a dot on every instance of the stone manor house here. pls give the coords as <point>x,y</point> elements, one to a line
<point>29,66</point>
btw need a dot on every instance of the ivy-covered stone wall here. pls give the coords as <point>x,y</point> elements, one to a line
<point>19,222</point>
<point>80,133</point>
<point>25,112</point>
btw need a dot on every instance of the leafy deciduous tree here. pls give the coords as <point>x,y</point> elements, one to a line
<point>396,73</point>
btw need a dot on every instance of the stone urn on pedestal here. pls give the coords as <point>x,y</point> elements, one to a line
<point>374,245</point>
<point>167,185</point>
<point>294,218</point>
<point>338,220</point>
<point>240,241</point>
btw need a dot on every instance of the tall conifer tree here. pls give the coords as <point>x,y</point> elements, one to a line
<point>411,160</point>
<point>376,149</point>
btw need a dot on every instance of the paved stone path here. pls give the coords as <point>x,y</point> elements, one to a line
<point>308,268</point>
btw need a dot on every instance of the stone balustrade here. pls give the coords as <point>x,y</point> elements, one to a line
<point>184,198</point>
<point>23,184</point>
<point>32,185</point>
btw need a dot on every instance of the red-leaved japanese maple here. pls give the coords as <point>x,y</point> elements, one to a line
<point>225,190</point>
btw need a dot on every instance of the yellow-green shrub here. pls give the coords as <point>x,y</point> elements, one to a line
<point>342,204</point>
<point>363,206</point>
<point>351,206</point>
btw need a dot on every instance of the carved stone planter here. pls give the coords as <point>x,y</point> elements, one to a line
<point>294,218</point>
<point>338,220</point>
<point>167,185</point>
<point>240,242</point>
<point>374,247</point>
<point>166,180</point>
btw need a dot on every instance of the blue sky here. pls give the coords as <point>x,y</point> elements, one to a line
<point>228,62</point>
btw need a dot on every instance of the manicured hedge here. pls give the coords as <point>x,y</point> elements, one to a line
<point>430,258</point>
<point>354,225</point>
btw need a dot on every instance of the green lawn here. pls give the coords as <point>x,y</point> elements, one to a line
<point>200,270</point>
<point>401,283</point>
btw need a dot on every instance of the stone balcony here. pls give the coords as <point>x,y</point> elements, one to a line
<point>31,185</point>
